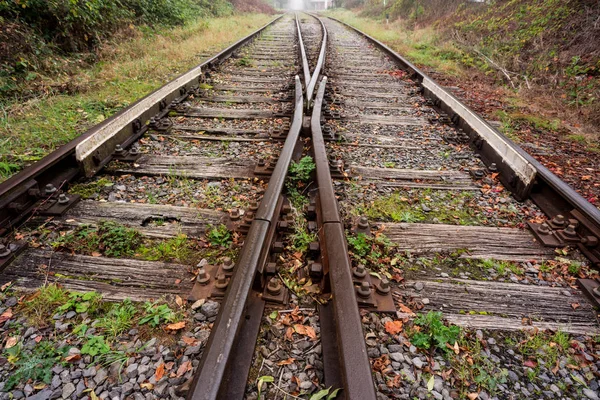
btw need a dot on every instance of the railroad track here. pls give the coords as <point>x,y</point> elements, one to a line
<point>287,266</point>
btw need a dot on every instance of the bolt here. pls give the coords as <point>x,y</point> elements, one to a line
<point>253,206</point>
<point>364,290</point>
<point>248,216</point>
<point>134,151</point>
<point>590,241</point>
<point>63,199</point>
<point>234,214</point>
<point>363,223</point>
<point>273,287</point>
<point>271,268</point>
<point>4,251</point>
<point>119,149</point>
<point>359,272</point>
<point>478,173</point>
<point>222,282</point>
<point>559,220</point>
<point>262,162</point>
<point>286,209</point>
<point>544,229</point>
<point>493,167</point>
<point>314,248</point>
<point>49,189</point>
<point>283,226</point>
<point>383,287</point>
<point>228,264</point>
<point>315,270</point>
<point>277,247</point>
<point>570,231</point>
<point>203,277</point>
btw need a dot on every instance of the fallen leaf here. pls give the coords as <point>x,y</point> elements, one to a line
<point>73,358</point>
<point>405,309</point>
<point>6,315</point>
<point>183,368</point>
<point>286,362</point>
<point>306,331</point>
<point>179,301</point>
<point>176,326</point>
<point>190,341</point>
<point>198,304</point>
<point>393,327</point>
<point>39,386</point>
<point>177,282</point>
<point>11,342</point>
<point>473,396</point>
<point>289,333</point>
<point>38,339</point>
<point>147,385</point>
<point>575,306</point>
<point>96,254</point>
<point>160,372</point>
<point>530,364</point>
<point>7,284</point>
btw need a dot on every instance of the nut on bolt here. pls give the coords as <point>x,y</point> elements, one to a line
<point>203,277</point>
<point>383,287</point>
<point>570,231</point>
<point>119,149</point>
<point>589,241</point>
<point>63,199</point>
<point>359,272</point>
<point>544,229</point>
<point>50,189</point>
<point>559,220</point>
<point>234,214</point>
<point>227,264</point>
<point>493,167</point>
<point>4,251</point>
<point>274,287</point>
<point>363,224</point>
<point>222,281</point>
<point>364,290</point>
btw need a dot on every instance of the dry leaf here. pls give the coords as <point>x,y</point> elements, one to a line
<point>306,331</point>
<point>6,315</point>
<point>289,333</point>
<point>11,342</point>
<point>160,372</point>
<point>176,326</point>
<point>473,396</point>
<point>177,282</point>
<point>39,386</point>
<point>575,306</point>
<point>286,362</point>
<point>179,301</point>
<point>405,309</point>
<point>7,284</point>
<point>393,327</point>
<point>73,358</point>
<point>147,385</point>
<point>183,368</point>
<point>530,364</point>
<point>96,254</point>
<point>189,341</point>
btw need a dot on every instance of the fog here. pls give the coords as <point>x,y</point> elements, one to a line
<point>296,5</point>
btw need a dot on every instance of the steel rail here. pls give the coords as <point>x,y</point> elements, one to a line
<point>303,57</point>
<point>320,63</point>
<point>61,165</point>
<point>548,191</point>
<point>353,362</point>
<point>218,350</point>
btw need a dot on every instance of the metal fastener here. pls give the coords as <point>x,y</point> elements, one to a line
<point>63,199</point>
<point>559,220</point>
<point>119,149</point>
<point>383,287</point>
<point>227,264</point>
<point>364,290</point>
<point>277,247</point>
<point>544,229</point>
<point>359,272</point>
<point>50,189</point>
<point>363,223</point>
<point>234,214</point>
<point>570,231</point>
<point>274,287</point>
<point>315,270</point>
<point>590,241</point>
<point>493,167</point>
<point>203,277</point>
<point>222,281</point>
<point>4,251</point>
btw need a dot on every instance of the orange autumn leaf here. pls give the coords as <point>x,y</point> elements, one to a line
<point>73,358</point>
<point>6,315</point>
<point>405,309</point>
<point>305,331</point>
<point>286,362</point>
<point>289,333</point>
<point>189,341</point>
<point>393,327</point>
<point>160,372</point>
<point>176,326</point>
<point>183,368</point>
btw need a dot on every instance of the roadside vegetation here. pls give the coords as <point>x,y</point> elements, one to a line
<point>59,79</point>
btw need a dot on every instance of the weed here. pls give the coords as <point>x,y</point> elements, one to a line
<point>245,62</point>
<point>389,164</point>
<point>7,169</point>
<point>219,236</point>
<point>177,248</point>
<point>544,346</point>
<point>298,200</point>
<point>156,314</point>
<point>300,172</point>
<point>118,319</point>
<point>35,366</point>
<point>574,268</point>
<point>88,190</point>
<point>433,333</point>
<point>113,239</point>
<point>94,346</point>
<point>42,304</point>
<point>374,252</point>
<point>82,302</point>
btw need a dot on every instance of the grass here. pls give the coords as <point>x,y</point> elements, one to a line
<point>445,206</point>
<point>89,189</point>
<point>422,46</point>
<point>118,320</point>
<point>125,73</point>
<point>178,248</point>
<point>43,303</point>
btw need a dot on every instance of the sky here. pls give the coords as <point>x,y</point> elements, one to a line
<point>296,4</point>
